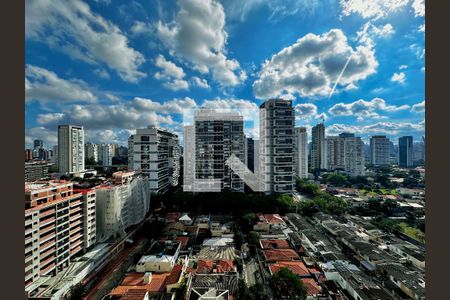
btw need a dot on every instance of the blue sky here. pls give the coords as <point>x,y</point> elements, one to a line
<point>114,66</point>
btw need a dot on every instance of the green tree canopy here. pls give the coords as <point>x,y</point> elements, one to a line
<point>287,285</point>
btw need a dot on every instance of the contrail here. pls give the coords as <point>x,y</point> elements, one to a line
<point>340,75</point>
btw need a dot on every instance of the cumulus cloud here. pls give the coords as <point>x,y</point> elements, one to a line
<point>102,73</point>
<point>418,107</point>
<point>422,28</point>
<point>312,65</point>
<point>71,27</point>
<point>388,128</point>
<point>46,86</point>
<point>306,111</point>
<point>171,73</point>
<point>49,137</point>
<point>374,9</point>
<point>141,28</point>
<point>364,109</point>
<point>369,32</point>
<point>419,8</point>
<point>198,37</point>
<point>398,77</point>
<point>200,82</point>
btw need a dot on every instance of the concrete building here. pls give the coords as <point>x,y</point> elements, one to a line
<point>250,154</point>
<point>419,153</point>
<point>379,150</point>
<point>318,148</point>
<point>301,152</point>
<point>120,204</point>
<point>217,137</point>
<point>54,229</point>
<point>156,154</point>
<point>36,170</point>
<point>89,220</point>
<point>54,158</point>
<point>276,155</point>
<point>105,154</point>
<point>70,149</point>
<point>405,151</point>
<point>91,151</point>
<point>160,258</point>
<point>28,154</point>
<point>38,144</point>
<point>346,153</point>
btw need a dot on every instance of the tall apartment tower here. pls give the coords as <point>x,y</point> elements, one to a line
<point>379,150</point>
<point>276,155</point>
<point>155,152</point>
<point>346,153</point>
<point>91,151</point>
<point>105,154</point>
<point>301,152</point>
<point>38,144</point>
<point>218,135</point>
<point>250,154</point>
<point>54,227</point>
<point>405,151</point>
<point>70,149</point>
<point>318,148</point>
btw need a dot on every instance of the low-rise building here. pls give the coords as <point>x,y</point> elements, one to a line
<point>160,258</point>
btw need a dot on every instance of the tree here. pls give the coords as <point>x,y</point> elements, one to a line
<point>287,285</point>
<point>337,180</point>
<point>89,161</point>
<point>253,238</point>
<point>256,292</point>
<point>238,237</point>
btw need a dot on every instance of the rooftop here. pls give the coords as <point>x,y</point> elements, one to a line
<point>280,255</point>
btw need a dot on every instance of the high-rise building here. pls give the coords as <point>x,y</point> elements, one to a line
<point>276,155</point>
<point>346,153</point>
<point>419,153</point>
<point>250,154</point>
<point>121,204</point>
<point>36,170</point>
<point>70,149</point>
<point>405,151</point>
<point>105,154</point>
<point>28,154</point>
<point>89,213</point>
<point>379,150</point>
<point>217,137</point>
<point>301,152</point>
<point>318,148</point>
<point>54,228</point>
<point>38,144</point>
<point>156,154</point>
<point>91,151</point>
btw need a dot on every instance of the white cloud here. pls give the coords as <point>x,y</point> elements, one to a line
<point>71,27</point>
<point>45,86</point>
<point>306,111</point>
<point>422,28</point>
<point>311,66</point>
<point>402,67</point>
<point>200,82</point>
<point>171,73</point>
<point>419,7</point>
<point>373,9</point>
<point>49,137</point>
<point>364,109</point>
<point>418,107</point>
<point>399,77</point>
<point>369,32</point>
<point>388,128</point>
<point>141,28</point>
<point>102,73</point>
<point>198,36</point>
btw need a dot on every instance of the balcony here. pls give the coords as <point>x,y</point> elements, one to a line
<point>75,230</point>
<point>75,251</point>
<point>76,203</point>
<point>47,213</point>
<point>75,210</point>
<point>46,245</point>
<point>47,252</point>
<point>47,236</point>
<point>78,243</point>
<point>47,269</point>
<point>47,229</point>
<point>48,221</point>
<point>48,260</point>
<point>75,237</point>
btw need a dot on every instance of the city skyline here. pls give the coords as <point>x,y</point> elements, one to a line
<point>148,73</point>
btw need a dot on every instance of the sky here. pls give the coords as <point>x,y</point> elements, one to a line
<point>113,66</point>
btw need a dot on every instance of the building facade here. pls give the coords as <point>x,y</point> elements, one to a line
<point>36,170</point>
<point>379,150</point>
<point>276,155</point>
<point>318,148</point>
<point>405,151</point>
<point>54,228</point>
<point>155,152</point>
<point>301,152</point>
<point>250,154</point>
<point>105,154</point>
<point>91,151</point>
<point>121,204</point>
<point>346,153</point>
<point>70,149</point>
<point>217,137</point>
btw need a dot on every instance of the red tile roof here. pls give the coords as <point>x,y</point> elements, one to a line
<point>135,281</point>
<point>174,275</point>
<point>297,267</point>
<point>280,255</point>
<point>312,288</point>
<point>274,244</point>
<point>204,266</point>
<point>225,265</point>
